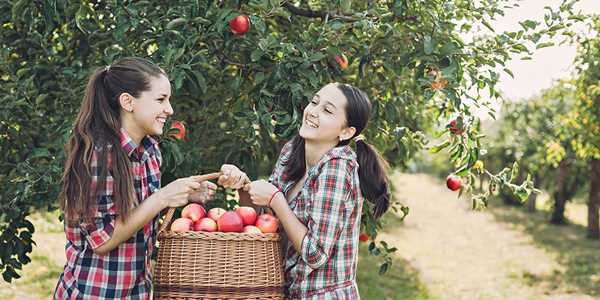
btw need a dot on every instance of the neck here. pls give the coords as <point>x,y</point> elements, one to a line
<point>132,130</point>
<point>314,151</point>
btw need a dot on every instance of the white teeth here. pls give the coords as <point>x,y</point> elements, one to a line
<point>161,120</point>
<point>311,124</point>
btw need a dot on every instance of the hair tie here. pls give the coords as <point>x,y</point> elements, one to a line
<point>359,137</point>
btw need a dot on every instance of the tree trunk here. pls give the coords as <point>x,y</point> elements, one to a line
<point>533,196</point>
<point>594,200</point>
<point>560,197</point>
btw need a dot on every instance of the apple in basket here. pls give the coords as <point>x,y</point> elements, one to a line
<point>193,211</point>
<point>230,222</point>
<point>251,229</point>
<point>267,223</point>
<point>247,213</point>
<point>182,225</point>
<point>216,213</point>
<point>205,224</point>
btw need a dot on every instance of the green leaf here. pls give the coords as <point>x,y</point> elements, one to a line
<point>316,57</point>
<point>544,45</point>
<point>176,23</point>
<point>384,268</point>
<point>437,148</point>
<point>509,72</point>
<point>256,55</point>
<point>486,24</point>
<point>40,152</point>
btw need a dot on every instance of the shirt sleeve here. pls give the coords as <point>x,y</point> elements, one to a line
<point>277,176</point>
<point>99,230</point>
<point>326,212</point>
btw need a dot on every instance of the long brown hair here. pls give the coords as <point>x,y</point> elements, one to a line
<point>97,129</point>
<point>372,166</point>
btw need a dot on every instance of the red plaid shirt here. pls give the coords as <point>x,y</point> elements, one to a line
<point>329,205</point>
<point>124,272</point>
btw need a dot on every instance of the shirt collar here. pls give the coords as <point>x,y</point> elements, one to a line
<point>148,145</point>
<point>342,152</point>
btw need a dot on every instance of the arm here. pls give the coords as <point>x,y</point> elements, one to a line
<point>125,229</point>
<point>112,230</point>
<point>296,231</point>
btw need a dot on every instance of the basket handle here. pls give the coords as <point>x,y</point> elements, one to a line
<point>171,210</point>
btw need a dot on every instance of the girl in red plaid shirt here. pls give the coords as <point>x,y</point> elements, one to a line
<point>111,191</point>
<point>317,191</point>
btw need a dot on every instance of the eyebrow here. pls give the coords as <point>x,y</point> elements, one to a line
<point>326,101</point>
<point>331,103</point>
<point>163,96</point>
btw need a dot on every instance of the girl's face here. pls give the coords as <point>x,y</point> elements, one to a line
<point>152,108</point>
<point>324,119</point>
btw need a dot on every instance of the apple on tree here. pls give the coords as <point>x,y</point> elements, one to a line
<point>240,24</point>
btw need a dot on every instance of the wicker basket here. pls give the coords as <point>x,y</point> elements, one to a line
<point>217,265</point>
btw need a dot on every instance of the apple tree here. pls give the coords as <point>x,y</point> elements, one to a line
<point>240,93</point>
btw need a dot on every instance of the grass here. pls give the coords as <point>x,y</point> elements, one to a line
<point>39,277</point>
<point>579,256</point>
<point>400,282</point>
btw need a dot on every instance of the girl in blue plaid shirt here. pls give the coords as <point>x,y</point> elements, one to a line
<point>317,191</point>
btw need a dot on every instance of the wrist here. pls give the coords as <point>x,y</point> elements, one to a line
<point>160,199</point>
<point>273,195</point>
<point>277,200</point>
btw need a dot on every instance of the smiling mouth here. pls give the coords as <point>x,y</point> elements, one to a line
<point>161,120</point>
<point>312,124</point>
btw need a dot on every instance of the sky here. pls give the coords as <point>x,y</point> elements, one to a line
<point>547,64</point>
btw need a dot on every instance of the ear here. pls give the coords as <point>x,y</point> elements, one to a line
<point>347,133</point>
<point>126,102</point>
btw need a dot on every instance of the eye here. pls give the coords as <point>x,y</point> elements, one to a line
<point>328,111</point>
<point>161,100</point>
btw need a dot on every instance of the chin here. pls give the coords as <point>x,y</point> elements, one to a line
<point>304,134</point>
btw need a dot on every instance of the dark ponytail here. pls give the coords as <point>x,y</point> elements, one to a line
<point>97,126</point>
<point>372,166</point>
<point>373,180</point>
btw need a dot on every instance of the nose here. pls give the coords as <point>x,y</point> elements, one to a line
<point>310,112</point>
<point>169,109</point>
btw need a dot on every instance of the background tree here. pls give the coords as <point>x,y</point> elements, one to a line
<point>583,121</point>
<point>530,132</point>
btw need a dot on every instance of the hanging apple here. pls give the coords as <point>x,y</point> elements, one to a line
<point>453,183</point>
<point>240,24</point>
<point>342,61</point>
<point>180,134</point>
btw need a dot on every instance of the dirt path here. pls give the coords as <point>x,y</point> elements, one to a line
<point>462,254</point>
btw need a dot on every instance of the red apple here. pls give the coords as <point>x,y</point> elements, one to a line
<point>251,229</point>
<point>180,135</point>
<point>247,213</point>
<point>240,24</point>
<point>363,237</point>
<point>230,222</point>
<point>216,213</point>
<point>454,129</point>
<point>181,225</point>
<point>205,224</point>
<point>267,223</point>
<point>453,183</point>
<point>342,61</point>
<point>193,211</point>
